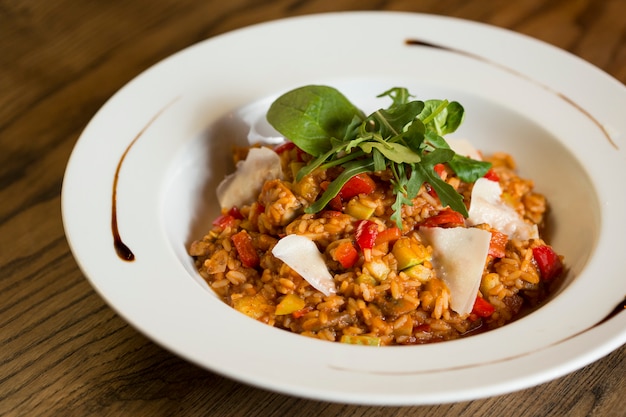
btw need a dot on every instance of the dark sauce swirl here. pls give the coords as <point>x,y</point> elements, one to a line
<point>121,249</point>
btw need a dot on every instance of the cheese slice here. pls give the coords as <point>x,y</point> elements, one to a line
<point>459,256</point>
<point>301,254</point>
<point>487,207</point>
<point>464,147</point>
<point>244,185</point>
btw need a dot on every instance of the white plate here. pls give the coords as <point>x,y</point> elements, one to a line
<point>169,131</point>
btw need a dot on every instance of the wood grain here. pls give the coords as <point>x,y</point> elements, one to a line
<point>63,351</point>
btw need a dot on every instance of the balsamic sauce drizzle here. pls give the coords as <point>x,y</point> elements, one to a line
<point>621,306</point>
<point>563,97</point>
<point>121,249</point>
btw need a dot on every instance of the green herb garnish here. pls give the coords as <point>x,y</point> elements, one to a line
<point>406,138</point>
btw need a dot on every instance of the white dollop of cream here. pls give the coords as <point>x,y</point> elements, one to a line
<point>301,254</point>
<point>459,256</point>
<point>244,185</point>
<point>487,207</point>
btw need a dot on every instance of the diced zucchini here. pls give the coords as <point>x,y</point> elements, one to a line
<point>360,340</point>
<point>366,279</point>
<point>418,272</point>
<point>377,268</point>
<point>409,252</point>
<point>358,210</point>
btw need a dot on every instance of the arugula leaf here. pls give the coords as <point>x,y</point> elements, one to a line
<point>441,116</point>
<point>393,121</point>
<point>311,115</point>
<point>468,170</point>
<point>393,151</point>
<point>424,172</point>
<point>398,95</point>
<point>351,169</point>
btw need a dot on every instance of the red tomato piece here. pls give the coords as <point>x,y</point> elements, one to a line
<point>492,175</point>
<point>234,211</point>
<point>223,221</point>
<point>366,232</point>
<point>445,218</point>
<point>497,244</point>
<point>299,313</point>
<point>245,249</point>
<point>359,184</point>
<point>439,169</point>
<point>388,235</point>
<point>548,262</point>
<point>482,307</point>
<point>335,203</point>
<point>346,254</point>
<point>284,147</point>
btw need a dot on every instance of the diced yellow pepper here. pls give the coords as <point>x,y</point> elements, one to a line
<point>418,272</point>
<point>409,252</point>
<point>366,279</point>
<point>289,304</point>
<point>253,306</point>
<point>377,268</point>
<point>360,340</point>
<point>295,167</point>
<point>358,210</point>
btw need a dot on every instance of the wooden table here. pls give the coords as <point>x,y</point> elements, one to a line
<point>63,351</point>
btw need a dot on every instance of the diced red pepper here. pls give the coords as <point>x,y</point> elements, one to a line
<point>284,147</point>
<point>422,328</point>
<point>482,307</point>
<point>346,254</point>
<point>359,184</point>
<point>548,262</point>
<point>299,313</point>
<point>366,232</point>
<point>445,218</point>
<point>439,169</point>
<point>497,244</point>
<point>245,249</point>
<point>329,214</point>
<point>388,235</point>
<point>430,190</point>
<point>223,221</point>
<point>227,219</point>
<point>335,203</point>
<point>492,175</point>
<point>234,211</point>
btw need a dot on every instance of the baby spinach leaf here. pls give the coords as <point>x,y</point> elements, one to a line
<point>311,115</point>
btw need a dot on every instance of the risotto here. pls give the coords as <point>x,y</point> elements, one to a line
<point>366,269</point>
